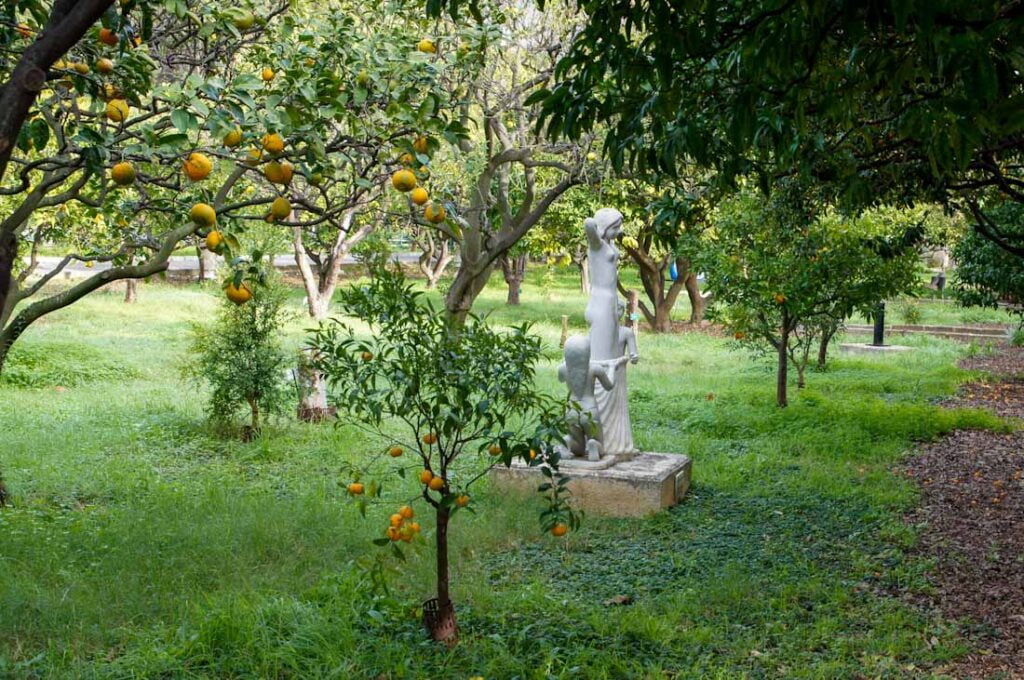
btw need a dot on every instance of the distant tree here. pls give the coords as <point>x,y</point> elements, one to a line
<point>986,275</point>
<point>787,271</point>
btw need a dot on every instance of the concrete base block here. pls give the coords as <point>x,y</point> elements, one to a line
<point>868,348</point>
<point>642,485</point>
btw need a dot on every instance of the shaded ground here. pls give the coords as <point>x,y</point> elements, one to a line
<point>972,514</point>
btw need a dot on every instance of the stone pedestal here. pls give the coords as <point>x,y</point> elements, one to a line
<point>642,485</point>
<point>867,348</point>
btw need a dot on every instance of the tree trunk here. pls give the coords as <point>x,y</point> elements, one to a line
<point>441,623</point>
<point>585,275</point>
<point>801,366</point>
<point>130,291</point>
<point>464,290</point>
<point>781,397</point>
<point>313,407</point>
<point>698,303</point>
<point>514,270</point>
<point>826,338</point>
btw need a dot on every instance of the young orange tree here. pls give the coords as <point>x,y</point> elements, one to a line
<point>438,392</point>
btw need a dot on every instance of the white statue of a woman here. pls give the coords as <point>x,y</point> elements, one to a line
<point>609,342</point>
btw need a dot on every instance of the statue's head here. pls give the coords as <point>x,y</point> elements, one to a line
<point>609,223</point>
<point>577,350</point>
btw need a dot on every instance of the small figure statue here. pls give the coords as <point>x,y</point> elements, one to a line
<point>613,403</point>
<point>578,372</point>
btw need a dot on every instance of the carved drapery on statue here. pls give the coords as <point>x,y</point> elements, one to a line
<point>595,365</point>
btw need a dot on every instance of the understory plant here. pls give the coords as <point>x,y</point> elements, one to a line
<point>436,392</point>
<point>239,355</point>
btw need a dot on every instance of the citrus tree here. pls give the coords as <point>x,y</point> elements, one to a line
<point>788,270</point>
<point>449,401</point>
<point>986,275</point>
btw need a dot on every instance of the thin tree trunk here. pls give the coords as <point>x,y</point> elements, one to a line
<point>585,275</point>
<point>443,628</point>
<point>826,338</point>
<point>130,291</point>
<point>781,397</point>
<point>514,270</point>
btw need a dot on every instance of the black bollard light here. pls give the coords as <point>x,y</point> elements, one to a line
<point>879,325</point>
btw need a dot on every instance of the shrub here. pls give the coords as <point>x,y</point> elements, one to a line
<point>908,311</point>
<point>239,355</point>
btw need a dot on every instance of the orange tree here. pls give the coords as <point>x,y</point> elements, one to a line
<point>787,270</point>
<point>177,118</point>
<point>438,392</point>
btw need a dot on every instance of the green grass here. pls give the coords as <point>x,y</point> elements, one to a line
<point>141,545</point>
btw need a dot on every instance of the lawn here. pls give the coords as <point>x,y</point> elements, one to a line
<point>141,545</point>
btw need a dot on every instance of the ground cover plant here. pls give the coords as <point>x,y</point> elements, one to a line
<point>140,543</point>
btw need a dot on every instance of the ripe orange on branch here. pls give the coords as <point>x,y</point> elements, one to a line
<point>203,215</point>
<point>117,110</point>
<point>421,144</point>
<point>123,173</point>
<point>429,438</point>
<point>214,240</point>
<point>281,208</point>
<point>197,166</point>
<point>426,476</point>
<point>559,530</point>
<point>406,512</point>
<point>267,74</point>
<point>104,65</point>
<point>426,46</point>
<point>278,173</point>
<point>273,142</point>
<point>355,488</point>
<point>395,451</point>
<point>404,180</point>
<point>434,213</point>
<point>436,484</point>
<point>108,37</point>
<point>419,196</point>
<point>239,295</point>
<point>233,138</point>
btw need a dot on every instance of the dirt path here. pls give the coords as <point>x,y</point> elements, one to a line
<point>972,521</point>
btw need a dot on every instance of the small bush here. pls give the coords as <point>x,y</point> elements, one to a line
<point>49,364</point>
<point>908,311</point>
<point>240,356</point>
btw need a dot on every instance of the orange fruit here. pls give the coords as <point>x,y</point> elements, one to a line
<point>117,110</point>
<point>273,142</point>
<point>203,215</point>
<point>267,74</point>
<point>395,451</point>
<point>462,501</point>
<point>740,335</point>
<point>104,65</point>
<point>436,484</point>
<point>559,530</point>
<point>197,166</point>
<point>396,520</point>
<point>110,91</point>
<point>406,159</point>
<point>495,450</point>
<point>533,454</point>
<point>122,173</point>
<point>243,20</point>
<point>404,180</point>
<point>419,195</point>
<point>779,298</point>
<point>239,295</point>
<point>394,533</point>
<point>214,240</point>
<point>406,512</point>
<point>434,213</point>
<point>281,208</point>
<point>429,438</point>
<point>253,157</point>
<point>233,138</point>
<point>355,488</point>
<point>426,476</point>
<point>426,46</point>
<point>415,526</point>
<point>80,68</point>
<point>278,173</point>
<point>367,356</point>
<point>421,145</point>
<point>108,37</point>
<point>406,534</point>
